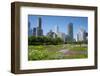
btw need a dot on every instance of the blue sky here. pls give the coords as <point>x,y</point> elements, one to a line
<point>49,23</point>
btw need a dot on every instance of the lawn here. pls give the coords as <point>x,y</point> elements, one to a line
<point>50,52</point>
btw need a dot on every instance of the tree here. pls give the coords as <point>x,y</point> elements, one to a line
<point>43,40</point>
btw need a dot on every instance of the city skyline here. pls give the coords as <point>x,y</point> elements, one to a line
<point>49,23</point>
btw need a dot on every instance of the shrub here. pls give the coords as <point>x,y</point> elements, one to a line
<point>40,53</point>
<point>41,40</point>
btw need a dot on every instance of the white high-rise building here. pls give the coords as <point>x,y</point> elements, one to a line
<point>59,34</point>
<point>62,36</point>
<point>81,35</point>
<point>56,29</point>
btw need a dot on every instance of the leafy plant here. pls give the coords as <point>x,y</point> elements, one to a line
<point>43,40</point>
<point>40,53</point>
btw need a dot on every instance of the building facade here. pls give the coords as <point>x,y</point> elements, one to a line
<point>56,29</point>
<point>29,29</point>
<point>70,31</point>
<point>82,35</point>
<point>34,31</point>
<point>39,28</point>
<point>51,34</point>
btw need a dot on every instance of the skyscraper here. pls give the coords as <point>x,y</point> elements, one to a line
<point>34,31</point>
<point>70,31</point>
<point>39,28</point>
<point>82,35</point>
<point>62,36</point>
<point>29,29</point>
<point>39,22</point>
<point>56,29</point>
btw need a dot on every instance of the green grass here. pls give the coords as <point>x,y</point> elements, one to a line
<point>75,56</point>
<point>41,53</point>
<point>78,48</point>
<point>50,52</point>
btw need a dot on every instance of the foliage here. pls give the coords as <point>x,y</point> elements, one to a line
<point>43,40</point>
<point>78,48</point>
<point>76,42</point>
<point>41,53</point>
<point>49,52</point>
<point>75,56</point>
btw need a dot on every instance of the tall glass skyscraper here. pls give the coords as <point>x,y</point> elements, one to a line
<point>34,31</point>
<point>39,28</point>
<point>29,29</point>
<point>56,29</point>
<point>70,30</point>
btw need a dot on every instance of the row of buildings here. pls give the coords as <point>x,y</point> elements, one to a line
<point>82,35</point>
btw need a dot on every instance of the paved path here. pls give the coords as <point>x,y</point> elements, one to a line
<point>64,51</point>
<point>68,52</point>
